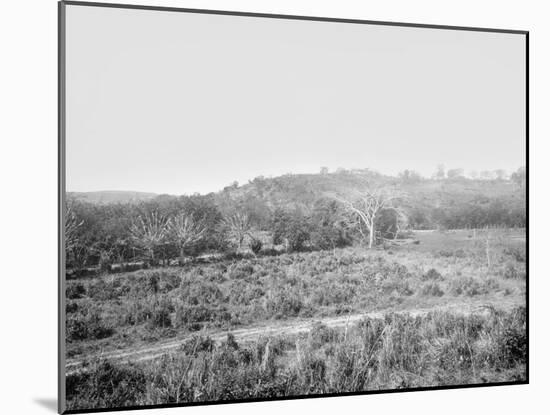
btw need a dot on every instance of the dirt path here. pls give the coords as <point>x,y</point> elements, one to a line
<point>289,327</point>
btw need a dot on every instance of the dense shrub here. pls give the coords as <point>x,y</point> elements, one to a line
<point>256,245</point>
<point>516,252</point>
<point>241,293</point>
<point>450,253</point>
<point>512,272</point>
<point>466,286</point>
<point>321,334</point>
<point>432,289</point>
<point>198,344</point>
<point>283,302</point>
<point>194,317</point>
<point>291,227</point>
<point>87,324</point>
<point>71,307</point>
<point>432,275</point>
<point>106,385</point>
<point>75,290</point>
<point>197,291</point>
<point>398,286</point>
<point>240,270</point>
<point>160,316</point>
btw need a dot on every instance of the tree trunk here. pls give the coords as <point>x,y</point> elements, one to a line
<point>182,256</point>
<point>371,235</point>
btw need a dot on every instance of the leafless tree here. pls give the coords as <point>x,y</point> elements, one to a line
<point>367,205</point>
<point>186,232</point>
<point>71,228</point>
<point>238,225</point>
<point>149,232</point>
<point>401,220</point>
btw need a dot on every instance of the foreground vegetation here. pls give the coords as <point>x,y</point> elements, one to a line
<point>398,351</point>
<point>122,310</point>
<point>484,271</point>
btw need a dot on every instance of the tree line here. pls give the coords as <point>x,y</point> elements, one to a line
<point>167,228</point>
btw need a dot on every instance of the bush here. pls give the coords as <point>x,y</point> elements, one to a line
<point>241,270</point>
<point>256,245</point>
<point>467,286</point>
<point>71,307</point>
<point>321,334</point>
<point>283,302</point>
<point>518,253</point>
<point>449,253</point>
<point>432,289</point>
<point>198,292</point>
<point>106,385</point>
<point>512,345</point>
<point>104,262</point>
<point>160,316</point>
<point>291,226</point>
<point>312,371</point>
<point>99,289</point>
<point>241,293</point>
<point>193,317</point>
<point>198,344</point>
<point>87,324</point>
<point>511,272</point>
<point>432,275</point>
<point>76,290</point>
<point>397,285</point>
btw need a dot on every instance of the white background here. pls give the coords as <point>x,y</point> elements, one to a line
<point>28,163</point>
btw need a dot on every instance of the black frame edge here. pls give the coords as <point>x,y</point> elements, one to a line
<point>296,397</point>
<point>527,86</point>
<point>61,32</point>
<point>293,17</point>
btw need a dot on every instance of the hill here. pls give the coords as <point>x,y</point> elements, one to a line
<point>111,196</point>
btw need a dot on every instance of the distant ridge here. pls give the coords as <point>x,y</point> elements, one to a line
<point>111,196</point>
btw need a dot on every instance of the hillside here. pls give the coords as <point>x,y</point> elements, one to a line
<point>111,196</point>
<point>306,188</point>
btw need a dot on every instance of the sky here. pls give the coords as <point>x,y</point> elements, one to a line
<point>185,103</point>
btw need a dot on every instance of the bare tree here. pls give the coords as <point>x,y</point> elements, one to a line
<point>186,232</point>
<point>71,228</point>
<point>238,225</point>
<point>401,220</point>
<point>149,232</point>
<point>366,207</point>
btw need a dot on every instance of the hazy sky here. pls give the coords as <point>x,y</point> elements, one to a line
<point>181,103</point>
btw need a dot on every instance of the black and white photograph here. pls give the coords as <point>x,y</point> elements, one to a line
<point>260,207</point>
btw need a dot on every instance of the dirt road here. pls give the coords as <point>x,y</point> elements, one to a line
<point>271,328</point>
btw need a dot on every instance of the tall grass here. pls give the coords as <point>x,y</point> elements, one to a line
<point>397,351</point>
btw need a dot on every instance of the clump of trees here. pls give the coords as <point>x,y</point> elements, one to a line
<point>295,212</point>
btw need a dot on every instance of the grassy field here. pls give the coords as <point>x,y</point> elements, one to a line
<point>449,309</point>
